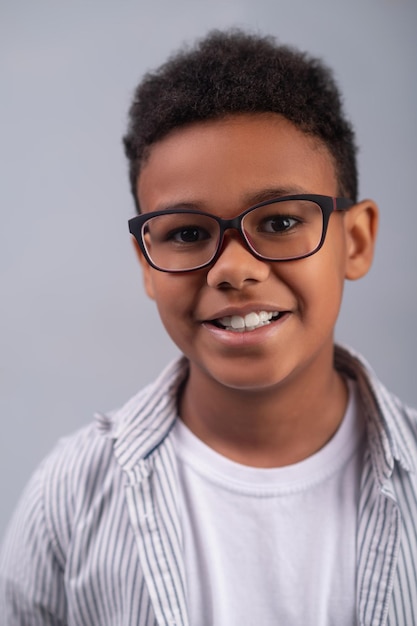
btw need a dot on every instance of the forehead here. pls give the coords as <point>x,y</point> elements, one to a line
<point>231,161</point>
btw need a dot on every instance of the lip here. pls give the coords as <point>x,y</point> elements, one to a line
<point>229,311</point>
<point>247,337</point>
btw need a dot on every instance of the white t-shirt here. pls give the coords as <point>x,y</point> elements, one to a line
<point>273,546</point>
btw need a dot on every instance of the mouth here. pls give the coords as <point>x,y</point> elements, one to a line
<point>250,321</point>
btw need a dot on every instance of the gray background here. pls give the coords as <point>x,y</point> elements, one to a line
<point>77,333</point>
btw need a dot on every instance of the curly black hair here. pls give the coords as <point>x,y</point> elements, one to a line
<point>232,72</point>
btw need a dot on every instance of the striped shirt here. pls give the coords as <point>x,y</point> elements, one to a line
<point>96,539</point>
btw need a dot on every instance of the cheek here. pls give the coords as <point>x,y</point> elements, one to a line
<point>175,296</point>
<point>327,295</point>
<point>324,275</point>
<point>317,286</point>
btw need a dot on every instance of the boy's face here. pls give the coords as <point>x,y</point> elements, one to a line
<point>223,167</point>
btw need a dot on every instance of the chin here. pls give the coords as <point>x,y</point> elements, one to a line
<point>249,380</point>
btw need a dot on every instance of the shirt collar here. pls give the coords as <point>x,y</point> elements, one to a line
<point>388,421</point>
<point>145,420</point>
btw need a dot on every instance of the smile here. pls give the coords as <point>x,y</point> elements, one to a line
<point>251,321</point>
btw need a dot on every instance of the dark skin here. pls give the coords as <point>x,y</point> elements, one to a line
<point>268,397</point>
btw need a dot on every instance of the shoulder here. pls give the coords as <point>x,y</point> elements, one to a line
<point>34,550</point>
<point>75,494</point>
<point>59,492</point>
<point>390,421</point>
<point>85,469</point>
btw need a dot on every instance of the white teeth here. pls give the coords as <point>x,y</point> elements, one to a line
<point>237,322</point>
<point>249,322</point>
<point>252,319</point>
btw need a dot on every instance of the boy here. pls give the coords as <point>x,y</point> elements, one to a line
<point>266,477</point>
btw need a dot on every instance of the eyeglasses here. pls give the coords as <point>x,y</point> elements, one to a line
<point>282,229</point>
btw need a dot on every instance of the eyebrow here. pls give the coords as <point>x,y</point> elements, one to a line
<point>249,199</point>
<point>270,193</point>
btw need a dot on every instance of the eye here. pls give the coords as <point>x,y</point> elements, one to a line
<point>278,224</point>
<point>188,234</point>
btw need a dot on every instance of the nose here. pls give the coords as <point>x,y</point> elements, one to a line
<point>236,266</point>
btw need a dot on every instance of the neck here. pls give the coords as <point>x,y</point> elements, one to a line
<point>270,427</point>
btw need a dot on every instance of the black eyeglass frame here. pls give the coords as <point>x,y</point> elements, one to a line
<point>327,204</point>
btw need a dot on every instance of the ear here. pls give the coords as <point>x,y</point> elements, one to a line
<point>361,226</point>
<point>146,270</point>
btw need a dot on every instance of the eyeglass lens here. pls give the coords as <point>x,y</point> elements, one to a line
<point>276,231</point>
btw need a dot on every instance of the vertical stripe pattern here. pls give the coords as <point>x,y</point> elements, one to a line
<point>96,538</point>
